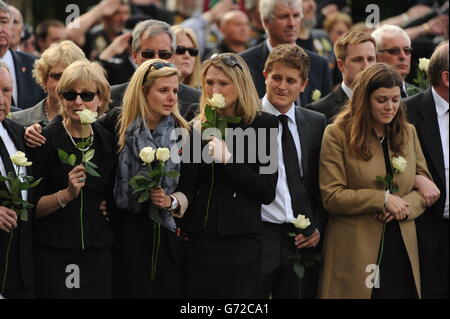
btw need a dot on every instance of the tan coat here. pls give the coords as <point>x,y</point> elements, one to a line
<point>351,195</point>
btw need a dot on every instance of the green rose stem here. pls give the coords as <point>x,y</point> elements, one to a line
<point>81,204</point>
<point>210,194</point>
<point>155,250</point>
<point>7,260</point>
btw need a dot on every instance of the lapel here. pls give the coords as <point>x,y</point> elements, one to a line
<point>19,78</point>
<point>302,130</point>
<point>17,138</point>
<point>429,129</point>
<point>339,96</point>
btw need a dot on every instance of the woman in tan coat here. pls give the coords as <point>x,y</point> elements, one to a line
<point>356,149</point>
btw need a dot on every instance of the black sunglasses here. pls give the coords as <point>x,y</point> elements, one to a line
<point>396,51</point>
<point>182,50</point>
<point>228,60</point>
<point>157,66</point>
<point>55,76</point>
<point>162,54</point>
<point>72,95</point>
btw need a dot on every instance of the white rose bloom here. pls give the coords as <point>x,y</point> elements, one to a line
<point>301,222</point>
<point>423,64</point>
<point>162,154</point>
<point>316,95</point>
<point>87,116</point>
<point>19,159</point>
<point>399,164</point>
<point>147,154</point>
<point>217,101</point>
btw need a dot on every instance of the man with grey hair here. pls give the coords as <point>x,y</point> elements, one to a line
<point>16,277</point>
<point>428,111</point>
<point>394,48</point>
<point>154,39</point>
<point>26,92</point>
<point>281,20</point>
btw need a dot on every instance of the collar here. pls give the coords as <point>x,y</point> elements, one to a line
<point>269,108</point>
<point>269,46</point>
<point>441,104</point>
<point>348,91</point>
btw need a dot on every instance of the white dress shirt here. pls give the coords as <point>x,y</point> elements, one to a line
<point>348,91</point>
<point>443,120</point>
<point>11,150</point>
<point>280,210</point>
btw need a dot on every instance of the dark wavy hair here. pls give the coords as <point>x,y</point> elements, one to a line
<point>356,118</point>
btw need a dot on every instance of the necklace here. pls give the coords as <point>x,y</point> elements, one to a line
<point>75,144</point>
<point>382,139</point>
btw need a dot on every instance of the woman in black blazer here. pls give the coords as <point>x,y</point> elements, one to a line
<point>73,245</point>
<point>223,217</point>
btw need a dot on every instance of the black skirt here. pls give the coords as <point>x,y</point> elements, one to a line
<point>223,267</point>
<point>65,273</point>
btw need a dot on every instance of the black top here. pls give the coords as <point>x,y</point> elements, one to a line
<point>61,229</point>
<point>231,194</point>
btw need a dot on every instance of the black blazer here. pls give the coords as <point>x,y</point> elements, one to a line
<point>331,104</point>
<point>187,96</point>
<point>61,229</point>
<point>29,93</point>
<point>118,72</point>
<point>20,269</point>
<point>421,110</point>
<point>310,126</point>
<point>238,191</point>
<point>319,74</point>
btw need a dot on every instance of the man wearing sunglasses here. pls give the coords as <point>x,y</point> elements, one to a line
<point>154,39</point>
<point>394,48</point>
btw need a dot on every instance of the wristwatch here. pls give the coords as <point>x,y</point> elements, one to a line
<point>174,203</point>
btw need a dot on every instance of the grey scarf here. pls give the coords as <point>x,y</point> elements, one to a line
<point>138,136</point>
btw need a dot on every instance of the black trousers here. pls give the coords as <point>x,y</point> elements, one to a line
<point>278,278</point>
<point>434,258</point>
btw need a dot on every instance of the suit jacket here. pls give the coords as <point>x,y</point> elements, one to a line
<point>351,195</point>
<point>20,265</point>
<point>228,196</point>
<point>29,93</point>
<point>119,72</point>
<point>310,126</point>
<point>187,96</point>
<point>319,74</point>
<point>331,104</point>
<point>35,114</point>
<point>422,113</point>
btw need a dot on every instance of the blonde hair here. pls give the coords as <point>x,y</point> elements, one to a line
<point>192,79</point>
<point>335,18</point>
<point>349,38</point>
<point>134,100</point>
<point>65,52</point>
<point>248,103</point>
<point>84,73</point>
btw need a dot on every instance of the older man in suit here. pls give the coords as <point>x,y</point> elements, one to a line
<point>281,19</point>
<point>16,280</point>
<point>154,39</point>
<point>297,192</point>
<point>26,93</point>
<point>355,51</point>
<point>428,111</point>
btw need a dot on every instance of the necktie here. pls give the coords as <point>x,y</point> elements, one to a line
<point>297,190</point>
<point>9,167</point>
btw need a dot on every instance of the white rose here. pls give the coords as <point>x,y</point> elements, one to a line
<point>87,116</point>
<point>19,159</point>
<point>162,154</point>
<point>423,64</point>
<point>316,95</point>
<point>399,163</point>
<point>147,154</point>
<point>217,101</point>
<point>301,222</point>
